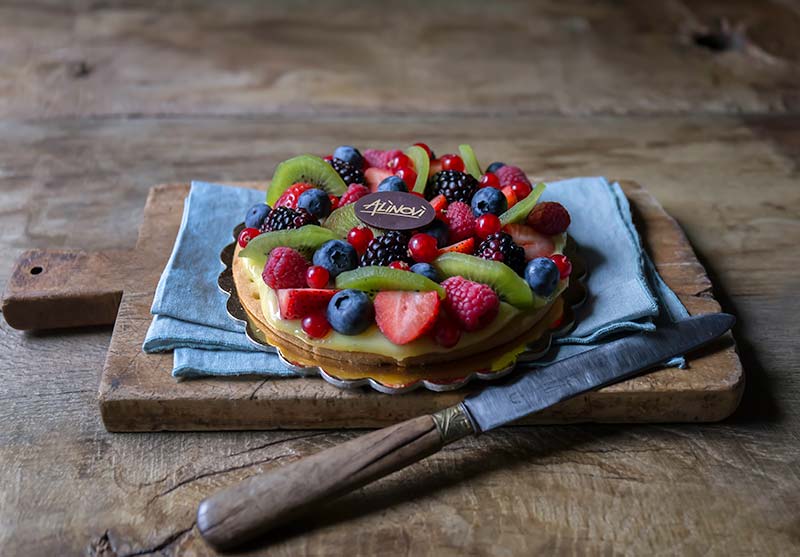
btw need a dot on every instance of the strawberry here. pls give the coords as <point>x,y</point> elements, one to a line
<point>406,316</point>
<point>549,218</point>
<point>472,304</point>
<point>439,202</point>
<point>376,158</point>
<point>292,194</point>
<point>534,243</point>
<point>353,194</point>
<point>511,197</point>
<point>374,176</point>
<point>297,303</point>
<point>464,246</point>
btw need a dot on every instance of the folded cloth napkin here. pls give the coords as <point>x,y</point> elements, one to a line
<point>625,292</point>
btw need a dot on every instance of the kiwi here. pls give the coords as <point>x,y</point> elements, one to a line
<point>344,218</point>
<point>508,285</point>
<point>305,239</point>
<point>422,165</point>
<point>374,278</point>
<point>470,161</point>
<point>519,212</point>
<point>304,168</point>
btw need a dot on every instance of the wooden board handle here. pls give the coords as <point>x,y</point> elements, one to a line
<point>254,506</point>
<point>55,289</point>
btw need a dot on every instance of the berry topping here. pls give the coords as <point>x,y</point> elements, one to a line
<point>487,225</point>
<point>317,276</point>
<point>284,218</point>
<point>460,221</point>
<point>488,200</point>
<point>426,270</point>
<point>501,247</point>
<point>315,202</point>
<point>446,331</point>
<point>256,215</point>
<point>472,304</point>
<point>454,185</point>
<point>350,155</point>
<point>405,316</point>
<point>360,237</point>
<point>426,148</point>
<point>336,256</point>
<point>541,274</point>
<point>285,268</point>
<point>534,243</point>
<point>520,189</point>
<point>407,175</point>
<point>246,235</point>
<point>399,266</point>
<point>510,174</point>
<point>400,160</point>
<point>296,303</point>
<point>511,197</point>
<point>549,218</point>
<point>379,159</point>
<point>464,246</point>
<point>393,183</point>
<point>350,312</point>
<point>489,180</point>
<point>350,174</point>
<point>452,162</point>
<point>292,194</point>
<point>392,246</point>
<point>439,230</point>
<point>564,265</point>
<point>423,248</point>
<point>495,166</point>
<point>316,325</point>
<point>354,193</point>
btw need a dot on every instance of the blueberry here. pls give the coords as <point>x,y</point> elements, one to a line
<point>426,270</point>
<point>256,215</point>
<point>349,155</point>
<point>437,229</point>
<point>315,202</point>
<point>392,183</point>
<point>494,166</point>
<point>488,200</point>
<point>542,275</point>
<point>336,256</point>
<point>350,312</point>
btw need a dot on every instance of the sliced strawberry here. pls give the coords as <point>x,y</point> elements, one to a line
<point>374,176</point>
<point>379,159</point>
<point>534,243</point>
<point>292,194</point>
<point>296,303</point>
<point>406,316</point>
<point>436,166</point>
<point>439,202</point>
<point>464,246</point>
<point>532,251</point>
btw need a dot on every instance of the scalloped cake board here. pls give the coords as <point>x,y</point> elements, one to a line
<point>138,393</point>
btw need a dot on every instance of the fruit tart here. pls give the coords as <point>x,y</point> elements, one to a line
<point>400,265</point>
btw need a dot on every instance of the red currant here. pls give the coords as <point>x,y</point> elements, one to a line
<point>446,333</point>
<point>423,248</point>
<point>400,161</point>
<point>489,180</point>
<point>427,149</point>
<point>315,325</point>
<point>317,276</point>
<point>452,162</point>
<point>486,224</point>
<point>399,265</point>
<point>334,201</point>
<point>407,175</point>
<point>246,235</point>
<point>360,237</point>
<point>328,158</point>
<point>564,265</point>
<point>521,189</point>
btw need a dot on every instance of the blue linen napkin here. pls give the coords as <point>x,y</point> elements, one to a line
<point>625,292</point>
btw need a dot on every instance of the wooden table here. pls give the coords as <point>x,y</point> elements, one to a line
<point>100,101</point>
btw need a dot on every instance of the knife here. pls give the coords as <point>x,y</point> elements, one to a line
<point>246,510</point>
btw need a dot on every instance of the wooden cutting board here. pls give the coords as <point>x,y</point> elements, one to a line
<point>50,289</point>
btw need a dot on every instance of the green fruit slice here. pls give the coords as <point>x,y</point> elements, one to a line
<point>508,285</point>
<point>305,168</point>
<point>470,161</point>
<point>422,165</point>
<point>344,218</point>
<point>519,212</point>
<point>374,278</point>
<point>305,239</point>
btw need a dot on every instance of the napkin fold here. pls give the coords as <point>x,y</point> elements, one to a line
<point>625,292</point>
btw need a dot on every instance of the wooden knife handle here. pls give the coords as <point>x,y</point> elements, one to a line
<point>258,504</point>
<point>53,289</point>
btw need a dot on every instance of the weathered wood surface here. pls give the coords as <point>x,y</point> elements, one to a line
<point>68,181</point>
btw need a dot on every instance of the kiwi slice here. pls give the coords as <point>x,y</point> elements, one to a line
<point>470,161</point>
<point>422,165</point>
<point>519,212</point>
<point>374,278</point>
<point>344,218</point>
<point>305,239</point>
<point>305,168</point>
<point>508,285</point>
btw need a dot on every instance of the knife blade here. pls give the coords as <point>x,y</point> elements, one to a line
<point>252,507</point>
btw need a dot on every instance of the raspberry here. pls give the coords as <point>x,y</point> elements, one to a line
<point>292,194</point>
<point>471,304</point>
<point>353,194</point>
<point>378,158</point>
<point>510,174</point>
<point>460,222</point>
<point>549,218</point>
<point>501,247</point>
<point>285,268</point>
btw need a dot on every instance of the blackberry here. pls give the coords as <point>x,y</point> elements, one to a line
<point>286,218</point>
<point>501,247</point>
<point>349,173</point>
<point>454,185</point>
<point>392,246</point>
